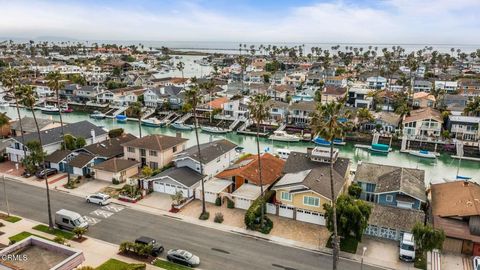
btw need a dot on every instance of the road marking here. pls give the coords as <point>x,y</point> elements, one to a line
<point>113,208</point>
<point>91,221</point>
<point>101,213</point>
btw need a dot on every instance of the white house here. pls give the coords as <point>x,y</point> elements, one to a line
<point>236,108</point>
<point>449,86</point>
<point>425,123</point>
<point>376,82</point>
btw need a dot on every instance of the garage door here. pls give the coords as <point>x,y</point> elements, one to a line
<point>285,211</point>
<point>158,187</point>
<point>310,217</point>
<point>170,189</point>
<point>242,203</point>
<point>210,197</point>
<point>452,245</point>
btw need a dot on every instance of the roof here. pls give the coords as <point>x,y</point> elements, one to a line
<point>423,95</point>
<point>389,117</point>
<point>335,91</point>
<point>116,165</point>
<point>303,106</point>
<point>394,217</point>
<point>216,185</point>
<point>248,168</point>
<point>247,191</point>
<point>111,147</point>
<point>54,135</point>
<point>424,113</point>
<point>218,102</point>
<point>28,124</point>
<point>183,175</point>
<point>81,160</point>
<point>464,119</point>
<point>455,228</point>
<point>57,156</point>
<point>392,178</point>
<point>155,142</point>
<point>455,199</point>
<point>209,151</point>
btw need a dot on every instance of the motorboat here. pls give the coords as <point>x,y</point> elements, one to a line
<point>422,153</point>
<point>283,153</point>
<point>121,118</point>
<point>97,115</point>
<point>380,148</point>
<point>151,122</point>
<point>216,130</point>
<point>50,109</point>
<point>67,109</point>
<point>283,136</point>
<point>322,142</point>
<point>181,126</point>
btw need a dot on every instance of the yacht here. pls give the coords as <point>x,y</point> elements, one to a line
<point>181,126</point>
<point>283,136</point>
<point>283,153</point>
<point>50,109</point>
<point>151,122</point>
<point>422,153</point>
<point>97,115</point>
<point>217,130</point>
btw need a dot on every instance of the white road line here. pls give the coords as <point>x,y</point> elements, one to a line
<point>91,221</point>
<point>113,208</point>
<point>101,213</point>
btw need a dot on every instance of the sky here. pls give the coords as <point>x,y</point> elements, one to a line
<point>307,21</point>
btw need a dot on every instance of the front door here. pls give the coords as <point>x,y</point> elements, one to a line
<point>143,161</point>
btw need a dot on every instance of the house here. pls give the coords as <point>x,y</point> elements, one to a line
<point>305,187</point>
<point>469,87</point>
<point>236,108</point>
<point>465,128</point>
<point>107,149</point>
<point>155,151</point>
<point>245,179</point>
<point>120,96</point>
<point>423,100</point>
<point>299,113</point>
<point>170,94</point>
<point>280,91</point>
<point>423,123</point>
<point>81,164</point>
<point>59,159</point>
<point>28,125</point>
<point>43,91</point>
<point>376,82</point>
<point>68,91</point>
<point>422,86</point>
<point>86,93</point>
<point>333,94</point>
<point>391,185</point>
<point>173,180</point>
<point>450,87</point>
<point>336,81</point>
<point>358,96</point>
<point>52,138</point>
<point>278,111</point>
<point>455,103</point>
<point>456,210</point>
<point>116,168</point>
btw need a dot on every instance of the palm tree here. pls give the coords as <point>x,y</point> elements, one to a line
<point>259,108</point>
<point>193,98</point>
<point>242,61</point>
<point>9,79</point>
<point>181,67</point>
<point>135,109</point>
<point>28,99</point>
<point>364,116</point>
<point>208,86</point>
<point>473,107</point>
<point>328,123</point>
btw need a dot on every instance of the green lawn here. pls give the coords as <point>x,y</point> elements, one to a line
<point>169,265</point>
<point>56,232</point>
<point>20,236</point>
<point>12,219</point>
<point>114,264</point>
<point>346,244</point>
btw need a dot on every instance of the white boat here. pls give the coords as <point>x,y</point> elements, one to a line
<point>151,122</point>
<point>50,109</point>
<point>422,153</point>
<point>217,130</point>
<point>181,126</point>
<point>283,153</point>
<point>283,136</point>
<point>97,115</point>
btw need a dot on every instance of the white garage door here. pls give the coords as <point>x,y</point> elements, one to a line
<point>184,191</point>
<point>170,189</point>
<point>158,187</point>
<point>310,217</point>
<point>210,197</point>
<point>242,203</point>
<point>285,211</point>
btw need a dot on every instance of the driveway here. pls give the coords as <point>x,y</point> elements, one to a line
<point>157,200</point>
<point>382,252</point>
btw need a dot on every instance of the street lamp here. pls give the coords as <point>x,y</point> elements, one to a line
<point>363,254</point>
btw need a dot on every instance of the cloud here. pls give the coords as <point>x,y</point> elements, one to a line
<point>384,21</point>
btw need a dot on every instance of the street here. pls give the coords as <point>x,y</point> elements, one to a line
<point>216,249</point>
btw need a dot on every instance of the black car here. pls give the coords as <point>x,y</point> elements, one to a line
<point>47,172</point>
<point>157,248</point>
<point>184,257</point>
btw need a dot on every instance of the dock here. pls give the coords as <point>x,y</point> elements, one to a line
<point>466,158</point>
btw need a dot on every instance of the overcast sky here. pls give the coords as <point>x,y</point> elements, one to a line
<point>350,21</point>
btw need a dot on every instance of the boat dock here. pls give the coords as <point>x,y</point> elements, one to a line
<point>466,158</point>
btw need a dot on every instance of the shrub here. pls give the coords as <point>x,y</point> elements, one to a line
<point>230,204</point>
<point>113,133</point>
<point>252,216</point>
<point>115,181</point>
<point>218,218</point>
<point>59,239</point>
<point>85,268</point>
<point>1,224</point>
<point>204,216</point>
<point>79,231</point>
<point>218,201</point>
<point>267,225</point>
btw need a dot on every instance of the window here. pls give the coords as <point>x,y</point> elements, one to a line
<point>143,152</point>
<point>131,149</point>
<point>154,165</point>
<point>389,198</point>
<point>311,201</point>
<point>152,153</point>
<point>174,149</point>
<point>286,196</point>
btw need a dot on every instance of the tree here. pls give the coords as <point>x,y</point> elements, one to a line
<point>181,67</point>
<point>80,142</point>
<point>364,116</point>
<point>4,120</point>
<point>135,110</point>
<point>28,99</point>
<point>352,216</point>
<point>147,171</point>
<point>327,123</point>
<point>355,190</point>
<point>427,238</point>
<point>473,107</point>
<point>192,100</point>
<point>177,197</point>
<point>259,108</point>
<point>68,142</point>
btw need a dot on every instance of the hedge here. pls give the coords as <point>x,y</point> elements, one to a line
<point>254,211</point>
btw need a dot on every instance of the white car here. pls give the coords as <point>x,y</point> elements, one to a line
<point>99,198</point>
<point>476,263</point>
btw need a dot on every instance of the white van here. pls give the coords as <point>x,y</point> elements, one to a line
<point>407,248</point>
<point>69,220</point>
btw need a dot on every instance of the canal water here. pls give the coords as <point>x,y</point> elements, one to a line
<point>435,170</point>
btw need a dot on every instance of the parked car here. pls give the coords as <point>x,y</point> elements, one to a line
<point>26,174</point>
<point>47,171</point>
<point>99,198</point>
<point>184,257</point>
<point>157,248</point>
<point>407,248</point>
<point>66,219</point>
<point>476,263</point>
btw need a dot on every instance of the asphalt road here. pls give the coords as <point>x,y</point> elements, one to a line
<point>216,249</point>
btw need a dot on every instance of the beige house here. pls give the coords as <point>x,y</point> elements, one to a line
<point>116,168</point>
<point>423,100</point>
<point>155,151</point>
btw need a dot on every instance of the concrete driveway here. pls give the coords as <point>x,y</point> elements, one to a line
<point>382,252</point>
<point>157,200</point>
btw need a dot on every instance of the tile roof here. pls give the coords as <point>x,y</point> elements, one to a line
<point>155,142</point>
<point>183,175</point>
<point>303,105</point>
<point>394,217</point>
<point>335,91</point>
<point>218,102</point>
<point>116,165</point>
<point>424,113</point>
<point>209,151</point>
<point>110,147</point>
<point>454,199</point>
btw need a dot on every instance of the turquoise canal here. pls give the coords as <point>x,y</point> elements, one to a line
<point>436,170</point>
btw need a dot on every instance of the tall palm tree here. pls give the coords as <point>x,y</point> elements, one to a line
<point>242,61</point>
<point>193,98</point>
<point>364,116</point>
<point>135,109</point>
<point>208,86</point>
<point>28,99</point>
<point>473,107</point>
<point>9,79</point>
<point>181,67</point>
<point>259,110</point>
<point>328,123</point>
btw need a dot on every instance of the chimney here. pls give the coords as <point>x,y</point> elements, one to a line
<point>94,138</point>
<point>178,135</point>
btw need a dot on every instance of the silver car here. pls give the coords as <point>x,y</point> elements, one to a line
<point>184,257</point>
<point>99,198</point>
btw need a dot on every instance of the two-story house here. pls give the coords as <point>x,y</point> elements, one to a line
<point>376,82</point>
<point>278,111</point>
<point>422,86</point>
<point>335,81</point>
<point>449,87</point>
<point>469,87</point>
<point>423,100</point>
<point>333,94</point>
<point>358,96</point>
<point>236,108</point>
<point>299,113</point>
<point>465,128</point>
<point>423,124</point>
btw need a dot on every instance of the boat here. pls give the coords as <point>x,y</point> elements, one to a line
<point>121,118</point>
<point>380,148</point>
<point>217,130</point>
<point>204,63</point>
<point>283,153</point>
<point>4,103</point>
<point>181,126</point>
<point>151,122</point>
<point>97,115</point>
<point>322,142</point>
<point>50,109</point>
<point>283,136</point>
<point>422,153</point>
<point>67,110</point>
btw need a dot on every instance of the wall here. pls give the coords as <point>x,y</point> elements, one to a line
<point>297,200</point>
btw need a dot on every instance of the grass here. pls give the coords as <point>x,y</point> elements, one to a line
<point>56,232</point>
<point>420,260</point>
<point>20,236</point>
<point>114,264</point>
<point>11,219</point>
<point>170,266</point>
<point>348,244</point>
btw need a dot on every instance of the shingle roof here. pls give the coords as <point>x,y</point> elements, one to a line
<point>110,147</point>
<point>57,156</point>
<point>394,217</point>
<point>457,198</point>
<point>116,165</point>
<point>155,142</point>
<point>425,113</point>
<point>210,150</point>
<point>28,124</point>
<point>184,175</point>
<point>303,105</point>
<point>80,160</point>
